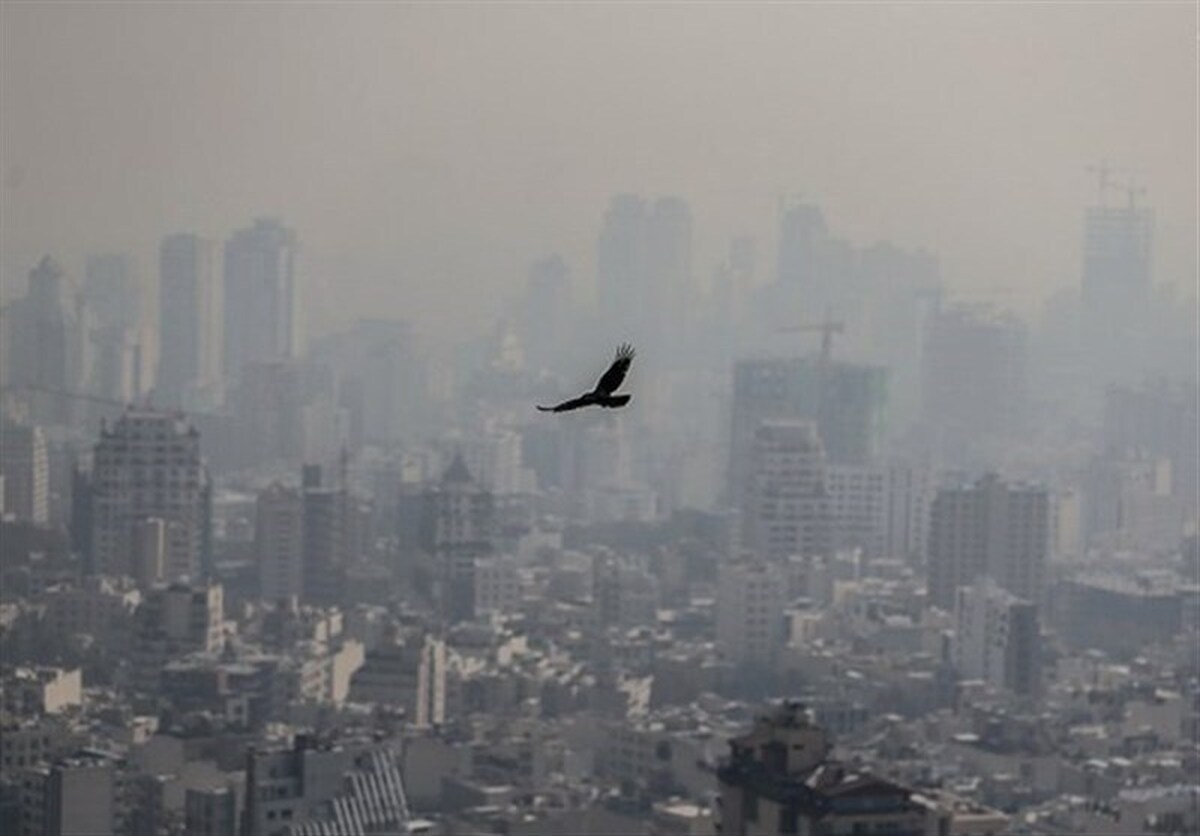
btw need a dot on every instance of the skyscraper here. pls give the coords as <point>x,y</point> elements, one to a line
<point>189,319</point>
<point>1162,419</point>
<point>279,543</point>
<point>1117,249</point>
<point>1121,331</point>
<point>148,465</point>
<point>801,231</point>
<point>324,538</point>
<point>25,466</point>
<point>788,509</point>
<point>621,259</point>
<point>976,374</point>
<point>669,288</point>
<point>260,296</point>
<point>46,346</point>
<point>462,520</point>
<point>993,529</point>
<point>643,268</point>
<point>846,401</point>
<point>545,313</point>
<point>113,298</point>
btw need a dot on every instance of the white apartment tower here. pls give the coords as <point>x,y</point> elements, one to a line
<point>997,638</point>
<point>788,507</point>
<point>750,600</point>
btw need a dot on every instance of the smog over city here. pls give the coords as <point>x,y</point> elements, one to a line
<point>599,418</point>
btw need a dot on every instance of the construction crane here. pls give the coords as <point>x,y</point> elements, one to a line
<point>828,328</point>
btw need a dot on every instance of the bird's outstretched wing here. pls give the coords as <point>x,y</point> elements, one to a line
<point>615,375</point>
<point>567,406</point>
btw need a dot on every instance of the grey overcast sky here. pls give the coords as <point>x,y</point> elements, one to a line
<point>427,153</point>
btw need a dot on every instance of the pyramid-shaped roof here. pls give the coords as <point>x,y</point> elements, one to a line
<point>457,473</point>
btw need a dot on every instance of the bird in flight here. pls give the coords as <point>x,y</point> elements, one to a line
<point>609,382</point>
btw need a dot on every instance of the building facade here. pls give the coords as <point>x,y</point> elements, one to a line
<point>989,528</point>
<point>148,465</point>
<point>261,303</point>
<point>190,321</point>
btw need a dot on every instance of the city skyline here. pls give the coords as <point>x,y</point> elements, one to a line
<point>895,529</point>
<point>377,163</point>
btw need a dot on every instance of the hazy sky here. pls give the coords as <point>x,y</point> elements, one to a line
<point>426,154</point>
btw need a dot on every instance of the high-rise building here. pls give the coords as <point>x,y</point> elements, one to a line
<point>845,401</point>
<point>621,259</point>
<point>172,621</point>
<point>1122,327</point>
<point>268,408</point>
<point>493,457</point>
<point>112,295</point>
<point>788,510</point>
<point>323,543</point>
<point>801,231</point>
<point>990,528</point>
<point>148,465</point>
<point>997,638</point>
<point>545,314</point>
<point>261,303</point>
<point>644,268</point>
<point>751,596</point>
<point>190,321</point>
<point>25,467</point>
<point>46,350</point>
<point>463,523</point>
<point>1118,244</point>
<point>781,778</point>
<point>909,499</point>
<point>111,290</point>
<point>1161,419</point>
<point>381,380</point>
<point>279,543</point>
<point>858,508</point>
<point>1129,503</point>
<point>976,374</point>
<point>669,268</point>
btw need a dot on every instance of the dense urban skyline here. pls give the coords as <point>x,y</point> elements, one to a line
<point>427,153</point>
<point>884,518</point>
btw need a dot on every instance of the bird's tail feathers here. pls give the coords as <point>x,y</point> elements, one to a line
<point>613,401</point>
